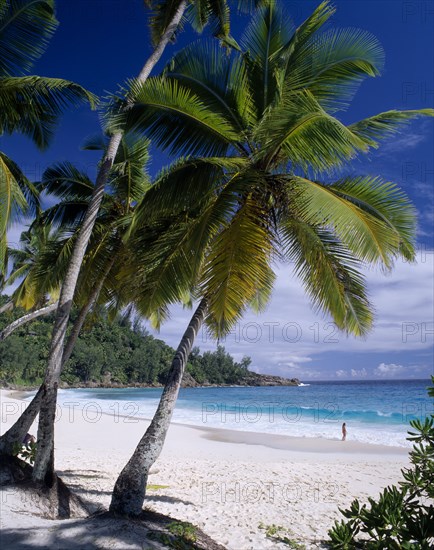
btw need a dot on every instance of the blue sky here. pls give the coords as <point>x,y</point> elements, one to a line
<point>100,43</point>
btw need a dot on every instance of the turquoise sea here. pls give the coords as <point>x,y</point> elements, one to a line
<point>374,411</point>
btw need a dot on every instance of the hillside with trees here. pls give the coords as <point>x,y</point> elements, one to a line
<point>110,353</point>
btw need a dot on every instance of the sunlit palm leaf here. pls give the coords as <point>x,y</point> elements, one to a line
<point>175,118</point>
<point>385,124</point>
<point>329,273</point>
<point>210,73</point>
<point>237,265</point>
<point>309,137</point>
<point>361,227</point>
<point>12,200</point>
<point>332,65</point>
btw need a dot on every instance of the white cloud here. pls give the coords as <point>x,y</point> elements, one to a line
<point>290,334</point>
<point>390,370</point>
<point>409,140</point>
<point>341,373</point>
<point>360,373</point>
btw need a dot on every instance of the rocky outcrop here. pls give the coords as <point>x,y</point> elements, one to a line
<point>255,379</point>
<point>250,379</point>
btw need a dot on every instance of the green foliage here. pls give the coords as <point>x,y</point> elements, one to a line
<point>403,516</point>
<point>153,487</point>
<point>278,533</point>
<point>183,536</point>
<point>183,529</point>
<point>25,452</point>
<point>107,352</point>
<point>258,129</point>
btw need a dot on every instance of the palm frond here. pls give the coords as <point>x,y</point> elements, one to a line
<point>263,40</point>
<point>220,80</point>
<point>169,267</point>
<point>174,118</point>
<point>360,225</point>
<point>25,29</point>
<point>332,65</point>
<point>63,180</point>
<point>329,273</point>
<point>308,136</point>
<point>385,124</point>
<point>386,202</point>
<point>31,105</point>
<point>163,11</point>
<point>12,202</point>
<point>184,186</point>
<point>237,266</point>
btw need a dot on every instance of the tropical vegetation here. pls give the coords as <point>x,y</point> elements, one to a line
<point>30,105</point>
<point>260,174</point>
<point>259,147</point>
<point>403,515</point>
<point>108,352</point>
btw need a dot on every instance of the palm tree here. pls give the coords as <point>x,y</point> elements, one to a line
<point>43,264</point>
<point>30,105</point>
<point>260,129</point>
<point>166,21</point>
<point>31,293</point>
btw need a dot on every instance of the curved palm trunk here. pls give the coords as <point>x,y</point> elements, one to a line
<point>43,468</point>
<point>26,319</point>
<point>69,348</point>
<point>8,306</point>
<point>17,432</point>
<point>130,488</point>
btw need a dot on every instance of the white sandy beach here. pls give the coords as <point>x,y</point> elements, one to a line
<point>225,482</point>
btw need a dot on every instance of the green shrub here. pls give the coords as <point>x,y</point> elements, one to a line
<point>403,516</point>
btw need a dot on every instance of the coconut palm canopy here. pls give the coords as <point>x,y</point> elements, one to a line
<point>29,104</point>
<point>262,146</point>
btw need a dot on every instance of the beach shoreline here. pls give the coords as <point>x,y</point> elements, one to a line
<point>227,482</point>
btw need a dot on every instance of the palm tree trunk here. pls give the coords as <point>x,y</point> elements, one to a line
<point>49,397</point>
<point>130,488</point>
<point>17,432</point>
<point>8,306</point>
<point>26,319</point>
<point>69,348</point>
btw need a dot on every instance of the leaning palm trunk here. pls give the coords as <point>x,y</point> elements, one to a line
<point>130,488</point>
<point>17,432</point>
<point>8,306</point>
<point>26,319</point>
<point>44,467</point>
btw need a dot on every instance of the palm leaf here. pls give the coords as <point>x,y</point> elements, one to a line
<point>329,273</point>
<point>308,136</point>
<point>163,11</point>
<point>236,267</point>
<point>360,227</point>
<point>12,202</point>
<point>174,118</point>
<point>386,202</point>
<point>210,73</point>
<point>385,124</point>
<point>31,105</point>
<point>184,186</point>
<point>332,65</point>
<point>25,29</point>
<point>264,38</point>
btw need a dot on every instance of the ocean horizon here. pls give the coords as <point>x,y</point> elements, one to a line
<point>375,412</point>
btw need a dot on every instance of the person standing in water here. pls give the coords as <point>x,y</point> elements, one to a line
<point>344,431</point>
